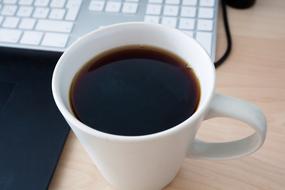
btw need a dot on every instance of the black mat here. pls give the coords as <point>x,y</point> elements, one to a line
<point>32,130</point>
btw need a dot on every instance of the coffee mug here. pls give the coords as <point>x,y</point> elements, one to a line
<point>150,162</point>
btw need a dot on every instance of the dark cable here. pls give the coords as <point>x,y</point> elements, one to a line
<point>228,36</point>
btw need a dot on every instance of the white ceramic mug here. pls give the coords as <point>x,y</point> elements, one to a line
<point>150,162</point>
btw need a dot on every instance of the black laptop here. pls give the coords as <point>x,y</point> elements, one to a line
<point>32,130</point>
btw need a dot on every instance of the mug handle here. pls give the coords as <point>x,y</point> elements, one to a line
<point>224,106</point>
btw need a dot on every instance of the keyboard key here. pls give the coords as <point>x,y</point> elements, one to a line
<point>206,13</point>
<point>41,2</point>
<point>170,10</point>
<point>113,6</point>
<point>130,8</point>
<point>1,19</point>
<point>31,38</point>
<point>153,9</point>
<point>25,2</point>
<point>9,35</point>
<point>57,3</point>
<point>25,11</point>
<point>57,14</point>
<point>74,4</point>
<point>209,3</point>
<point>151,19</point>
<point>55,40</point>
<point>188,33</point>
<point>9,10</point>
<point>27,23</point>
<point>206,25</point>
<point>189,2</point>
<point>10,1</point>
<point>96,5</point>
<point>169,21</point>
<point>133,0</point>
<point>174,2</point>
<point>72,13</point>
<point>205,39</point>
<point>155,1</point>
<point>10,22</point>
<point>41,12</point>
<point>54,26</point>
<point>188,12</point>
<point>186,23</point>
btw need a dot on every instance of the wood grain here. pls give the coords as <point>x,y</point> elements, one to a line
<point>255,71</point>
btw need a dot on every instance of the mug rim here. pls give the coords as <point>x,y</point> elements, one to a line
<point>94,132</point>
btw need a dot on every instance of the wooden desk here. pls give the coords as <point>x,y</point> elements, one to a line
<point>255,71</point>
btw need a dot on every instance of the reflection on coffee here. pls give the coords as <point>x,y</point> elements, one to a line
<point>134,90</point>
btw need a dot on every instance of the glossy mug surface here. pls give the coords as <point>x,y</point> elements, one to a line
<point>150,162</point>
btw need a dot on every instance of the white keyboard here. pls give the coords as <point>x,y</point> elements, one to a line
<point>53,25</point>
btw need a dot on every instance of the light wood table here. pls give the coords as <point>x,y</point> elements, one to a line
<point>255,71</point>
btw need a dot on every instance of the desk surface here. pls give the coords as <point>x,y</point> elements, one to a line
<point>255,71</point>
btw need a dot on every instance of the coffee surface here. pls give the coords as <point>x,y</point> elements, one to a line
<point>134,90</point>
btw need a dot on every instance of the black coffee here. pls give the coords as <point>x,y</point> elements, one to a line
<point>134,90</point>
